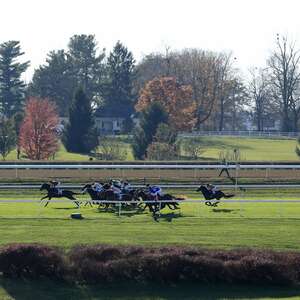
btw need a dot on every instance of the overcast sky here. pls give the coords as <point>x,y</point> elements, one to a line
<point>246,27</point>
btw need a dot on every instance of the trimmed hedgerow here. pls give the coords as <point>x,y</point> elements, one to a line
<point>32,261</point>
<point>115,264</point>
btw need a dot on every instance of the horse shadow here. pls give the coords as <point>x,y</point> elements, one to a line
<point>225,210</point>
<point>64,208</point>
<point>168,217</point>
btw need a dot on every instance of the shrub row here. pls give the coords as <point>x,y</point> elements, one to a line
<point>115,264</point>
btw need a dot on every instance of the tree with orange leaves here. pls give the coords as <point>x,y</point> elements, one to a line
<point>38,136</point>
<point>176,99</point>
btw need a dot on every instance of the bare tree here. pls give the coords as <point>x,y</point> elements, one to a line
<point>285,78</point>
<point>259,90</point>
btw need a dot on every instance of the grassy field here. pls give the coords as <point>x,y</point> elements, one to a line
<point>252,149</point>
<point>230,225</point>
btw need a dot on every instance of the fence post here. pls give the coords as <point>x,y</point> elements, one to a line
<point>120,205</point>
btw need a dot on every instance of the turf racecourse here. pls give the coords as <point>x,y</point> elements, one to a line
<point>231,225</point>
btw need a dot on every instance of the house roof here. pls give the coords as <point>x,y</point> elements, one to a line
<point>117,111</point>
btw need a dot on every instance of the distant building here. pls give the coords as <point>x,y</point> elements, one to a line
<point>111,120</point>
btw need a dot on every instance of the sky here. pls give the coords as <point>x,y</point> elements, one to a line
<point>248,28</point>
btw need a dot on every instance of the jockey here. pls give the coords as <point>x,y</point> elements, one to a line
<point>55,185</point>
<point>126,187</point>
<point>155,191</point>
<point>212,188</point>
<point>97,187</point>
<point>116,187</point>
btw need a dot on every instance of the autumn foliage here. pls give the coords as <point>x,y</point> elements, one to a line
<point>38,138</point>
<point>176,99</point>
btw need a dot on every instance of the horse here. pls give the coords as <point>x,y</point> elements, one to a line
<point>208,195</point>
<point>154,205</point>
<point>53,193</point>
<point>106,194</point>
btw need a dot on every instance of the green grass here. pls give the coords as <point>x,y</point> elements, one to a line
<point>259,225</point>
<point>231,225</point>
<point>61,155</point>
<point>251,149</point>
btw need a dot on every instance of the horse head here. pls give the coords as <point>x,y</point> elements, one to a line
<point>86,187</point>
<point>45,186</point>
<point>201,188</point>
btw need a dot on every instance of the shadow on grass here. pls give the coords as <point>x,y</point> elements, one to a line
<point>225,210</point>
<point>25,290</point>
<point>168,217</point>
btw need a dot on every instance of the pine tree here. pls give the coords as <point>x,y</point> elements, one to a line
<point>7,137</point>
<point>144,134</point>
<point>12,88</point>
<point>80,134</point>
<point>54,81</point>
<point>120,70</point>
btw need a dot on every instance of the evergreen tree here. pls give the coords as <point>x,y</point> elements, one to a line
<point>144,134</point>
<point>64,71</point>
<point>80,135</point>
<point>87,66</point>
<point>120,69</point>
<point>54,81</point>
<point>18,119</point>
<point>12,88</point>
<point>7,137</point>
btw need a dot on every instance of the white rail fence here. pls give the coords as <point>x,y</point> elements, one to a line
<point>152,166</point>
<point>245,133</point>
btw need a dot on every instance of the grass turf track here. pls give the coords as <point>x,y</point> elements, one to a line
<point>231,225</point>
<point>260,226</point>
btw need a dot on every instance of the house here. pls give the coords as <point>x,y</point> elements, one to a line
<point>112,120</point>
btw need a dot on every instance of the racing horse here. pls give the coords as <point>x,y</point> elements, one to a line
<point>154,205</point>
<point>208,195</point>
<point>106,194</point>
<point>53,193</point>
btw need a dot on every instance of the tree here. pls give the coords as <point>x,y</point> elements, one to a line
<point>176,100</point>
<point>87,65</point>
<point>64,71</point>
<point>12,88</point>
<point>54,81</point>
<point>18,120</point>
<point>80,135</point>
<point>163,146</point>
<point>285,79</point>
<point>261,94</point>
<point>208,73</point>
<point>7,136</point>
<point>120,70</point>
<point>143,135</point>
<point>38,138</point>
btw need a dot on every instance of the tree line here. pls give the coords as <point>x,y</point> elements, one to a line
<point>189,89</point>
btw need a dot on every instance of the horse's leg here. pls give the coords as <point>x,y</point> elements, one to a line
<point>44,197</point>
<point>49,198</point>
<point>74,200</point>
